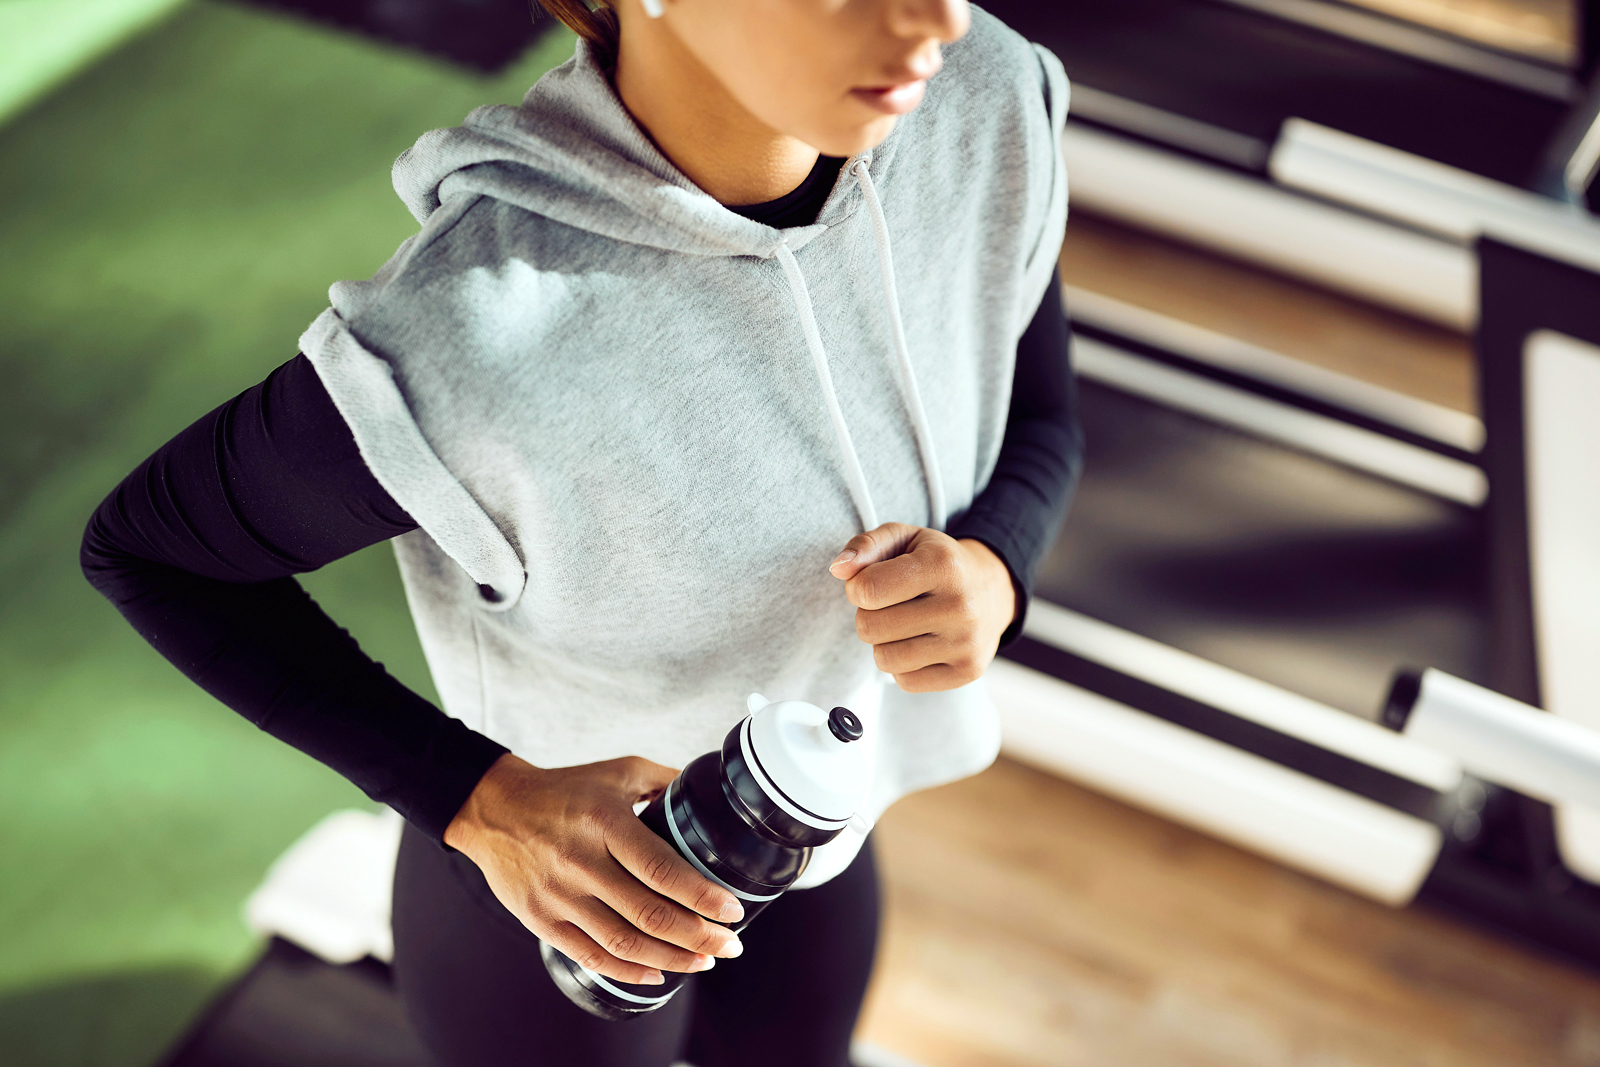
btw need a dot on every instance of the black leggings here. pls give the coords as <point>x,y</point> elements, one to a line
<point>477,993</point>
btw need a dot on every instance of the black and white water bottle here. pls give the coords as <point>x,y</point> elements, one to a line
<point>789,777</point>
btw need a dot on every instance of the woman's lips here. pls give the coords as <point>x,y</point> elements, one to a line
<point>892,99</point>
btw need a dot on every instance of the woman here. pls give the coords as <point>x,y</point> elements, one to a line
<point>649,363</point>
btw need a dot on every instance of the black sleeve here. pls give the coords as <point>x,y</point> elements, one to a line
<point>1020,511</point>
<point>196,548</point>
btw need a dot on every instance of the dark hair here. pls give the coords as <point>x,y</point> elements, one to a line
<point>596,25</point>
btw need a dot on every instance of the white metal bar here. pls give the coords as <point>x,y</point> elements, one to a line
<point>1434,421</point>
<point>1192,779</point>
<point>1341,442</point>
<point>1584,161</point>
<point>1420,192</point>
<point>1257,221</point>
<point>1561,393</point>
<point>1239,694</point>
<point>1506,741</point>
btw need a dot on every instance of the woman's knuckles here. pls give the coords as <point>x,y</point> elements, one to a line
<point>662,874</point>
<point>597,820</point>
<point>966,613</point>
<point>940,554</point>
<point>535,906</point>
<point>563,862</point>
<point>713,941</point>
<point>642,776</point>
<point>655,917</point>
<point>865,630</point>
<point>594,961</point>
<point>891,659</point>
<point>862,591</point>
<point>625,944</point>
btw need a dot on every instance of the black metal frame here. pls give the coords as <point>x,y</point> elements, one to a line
<point>1510,875</point>
<point>1500,865</point>
<point>1247,71</point>
<point>1520,292</point>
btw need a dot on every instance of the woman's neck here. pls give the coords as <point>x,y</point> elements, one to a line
<point>698,125</point>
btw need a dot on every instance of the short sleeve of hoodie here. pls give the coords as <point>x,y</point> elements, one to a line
<point>1045,154</point>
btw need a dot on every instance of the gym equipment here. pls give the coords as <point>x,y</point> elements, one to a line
<point>1497,738</point>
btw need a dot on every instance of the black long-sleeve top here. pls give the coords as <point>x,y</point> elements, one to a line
<point>198,547</point>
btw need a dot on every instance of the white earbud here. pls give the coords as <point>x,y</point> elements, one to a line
<point>653,8</point>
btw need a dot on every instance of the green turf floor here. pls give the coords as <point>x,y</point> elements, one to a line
<point>170,222</point>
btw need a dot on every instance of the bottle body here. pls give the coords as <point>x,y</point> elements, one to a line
<point>720,816</point>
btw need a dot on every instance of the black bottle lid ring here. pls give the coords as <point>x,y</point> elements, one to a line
<point>844,725</point>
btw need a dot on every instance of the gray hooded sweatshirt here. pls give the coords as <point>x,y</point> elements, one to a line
<point>634,427</point>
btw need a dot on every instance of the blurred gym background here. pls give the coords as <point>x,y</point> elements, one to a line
<point>1336,279</point>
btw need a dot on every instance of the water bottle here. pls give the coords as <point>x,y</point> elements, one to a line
<point>789,777</point>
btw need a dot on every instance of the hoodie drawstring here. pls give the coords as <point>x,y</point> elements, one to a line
<point>855,477</point>
<point>908,376</point>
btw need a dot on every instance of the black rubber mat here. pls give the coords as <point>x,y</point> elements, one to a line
<point>1247,72</point>
<point>1297,570</point>
<point>293,1010</point>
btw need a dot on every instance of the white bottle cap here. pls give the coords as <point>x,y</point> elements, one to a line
<point>811,764</point>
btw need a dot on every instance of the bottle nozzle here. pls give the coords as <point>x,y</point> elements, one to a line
<point>844,725</point>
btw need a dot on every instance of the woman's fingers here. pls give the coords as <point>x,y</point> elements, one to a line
<point>963,655</point>
<point>641,778</point>
<point>903,657</point>
<point>561,849</point>
<point>900,622</point>
<point>936,678</point>
<point>652,862</point>
<point>655,918</point>
<point>585,951</point>
<point>931,564</point>
<point>878,544</point>
<point>624,941</point>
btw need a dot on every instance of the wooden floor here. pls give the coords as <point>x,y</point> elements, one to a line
<point>1543,29</point>
<point>1270,310</point>
<point>1031,922</point>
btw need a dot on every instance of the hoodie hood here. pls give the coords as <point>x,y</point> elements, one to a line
<point>634,426</point>
<point>572,153</point>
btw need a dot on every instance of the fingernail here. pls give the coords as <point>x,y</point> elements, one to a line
<point>732,950</point>
<point>704,963</point>
<point>653,978</point>
<point>844,557</point>
<point>731,912</point>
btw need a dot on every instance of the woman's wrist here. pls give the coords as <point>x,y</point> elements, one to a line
<point>996,576</point>
<point>505,777</point>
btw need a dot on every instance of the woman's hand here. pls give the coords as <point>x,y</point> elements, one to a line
<point>564,852</point>
<point>932,608</point>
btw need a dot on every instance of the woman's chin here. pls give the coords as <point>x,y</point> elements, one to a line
<point>859,138</point>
